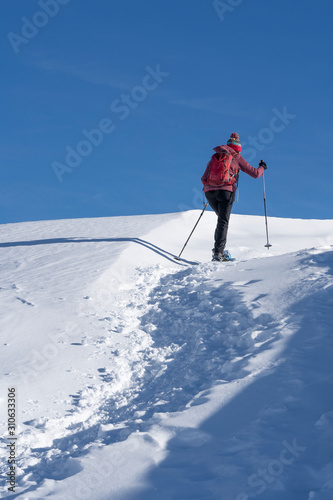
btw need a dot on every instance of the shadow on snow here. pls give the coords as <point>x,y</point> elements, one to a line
<point>209,327</point>
<point>54,241</point>
<point>235,454</point>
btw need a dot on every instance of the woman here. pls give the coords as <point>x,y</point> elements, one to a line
<point>220,184</point>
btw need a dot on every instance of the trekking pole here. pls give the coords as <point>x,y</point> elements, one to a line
<point>263,182</point>
<point>178,258</point>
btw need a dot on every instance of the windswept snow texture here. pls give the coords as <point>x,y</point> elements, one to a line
<point>140,377</point>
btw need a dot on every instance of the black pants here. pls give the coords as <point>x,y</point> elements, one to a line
<point>221,202</point>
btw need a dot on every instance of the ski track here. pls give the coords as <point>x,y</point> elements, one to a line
<point>181,332</point>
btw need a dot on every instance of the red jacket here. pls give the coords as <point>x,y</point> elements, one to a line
<point>238,163</point>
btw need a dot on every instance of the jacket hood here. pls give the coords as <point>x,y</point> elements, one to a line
<point>220,149</point>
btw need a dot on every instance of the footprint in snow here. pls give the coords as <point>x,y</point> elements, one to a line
<point>25,302</point>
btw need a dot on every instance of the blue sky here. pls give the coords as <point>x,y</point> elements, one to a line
<point>113,107</point>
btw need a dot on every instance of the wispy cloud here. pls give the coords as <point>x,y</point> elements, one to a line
<point>95,72</point>
<point>212,104</point>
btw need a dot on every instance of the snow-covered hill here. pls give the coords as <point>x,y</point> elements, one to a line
<point>138,377</point>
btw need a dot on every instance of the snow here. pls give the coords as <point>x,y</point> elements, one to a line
<point>142,377</point>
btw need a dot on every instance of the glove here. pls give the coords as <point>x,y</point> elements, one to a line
<point>263,164</point>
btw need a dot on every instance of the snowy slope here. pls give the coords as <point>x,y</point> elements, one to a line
<point>141,377</point>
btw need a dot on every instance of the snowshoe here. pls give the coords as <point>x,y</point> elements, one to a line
<point>222,257</point>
